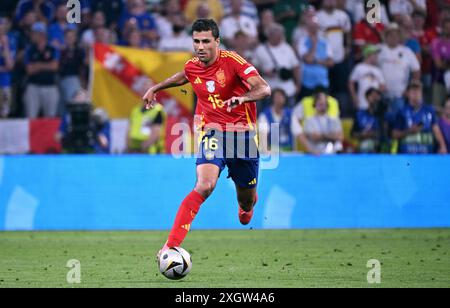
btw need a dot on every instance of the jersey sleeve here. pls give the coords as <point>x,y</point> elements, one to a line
<point>243,69</point>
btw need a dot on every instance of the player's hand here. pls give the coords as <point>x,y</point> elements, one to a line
<point>234,102</point>
<point>149,99</point>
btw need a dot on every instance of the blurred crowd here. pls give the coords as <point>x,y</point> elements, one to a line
<point>383,64</point>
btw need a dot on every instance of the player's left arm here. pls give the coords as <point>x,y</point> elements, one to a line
<point>259,89</point>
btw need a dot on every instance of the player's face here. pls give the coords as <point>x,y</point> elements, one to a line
<point>205,46</point>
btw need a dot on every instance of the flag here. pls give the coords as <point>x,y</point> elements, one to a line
<point>121,76</point>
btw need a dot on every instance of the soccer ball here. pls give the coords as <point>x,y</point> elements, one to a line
<point>175,263</point>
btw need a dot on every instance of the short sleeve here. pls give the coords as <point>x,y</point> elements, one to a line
<point>296,126</point>
<point>414,64</point>
<point>354,76</point>
<point>243,69</point>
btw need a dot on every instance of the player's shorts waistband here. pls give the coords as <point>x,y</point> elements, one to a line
<point>226,145</point>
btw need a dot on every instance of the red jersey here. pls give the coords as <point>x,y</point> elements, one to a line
<point>214,84</point>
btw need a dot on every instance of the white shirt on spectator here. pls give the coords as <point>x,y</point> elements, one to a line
<point>296,120</point>
<point>285,58</point>
<point>231,25</point>
<point>404,7</point>
<point>163,25</point>
<point>298,34</point>
<point>248,9</point>
<point>334,26</point>
<point>183,42</point>
<point>323,124</point>
<point>367,76</point>
<point>396,65</point>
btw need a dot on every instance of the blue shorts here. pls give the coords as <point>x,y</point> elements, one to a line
<point>236,150</point>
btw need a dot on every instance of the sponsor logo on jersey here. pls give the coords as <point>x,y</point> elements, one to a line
<point>198,80</point>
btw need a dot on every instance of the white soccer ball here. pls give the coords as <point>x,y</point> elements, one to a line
<point>175,263</point>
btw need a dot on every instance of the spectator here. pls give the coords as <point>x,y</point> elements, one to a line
<point>111,9</point>
<point>214,7</point>
<point>136,13</point>
<point>103,35</point>
<point>238,21</point>
<point>280,115</point>
<point>336,26</point>
<point>366,33</point>
<point>316,55</point>
<point>305,108</point>
<point>243,46</point>
<point>264,4</point>
<point>444,124</point>
<point>365,76</point>
<point>147,130</point>
<point>57,29</point>
<point>134,39</point>
<point>43,9</point>
<point>267,20</point>
<point>171,10</point>
<point>278,63</point>
<point>410,41</point>
<point>324,133</point>
<point>425,38</point>
<point>7,55</point>
<point>288,12</point>
<point>398,64</point>
<point>400,8</point>
<point>416,125</point>
<point>88,36</point>
<point>301,30</point>
<point>248,9</point>
<point>440,50</point>
<point>180,40</point>
<point>42,63</point>
<point>367,128</point>
<point>72,64</point>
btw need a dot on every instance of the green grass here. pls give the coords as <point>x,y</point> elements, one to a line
<point>250,258</point>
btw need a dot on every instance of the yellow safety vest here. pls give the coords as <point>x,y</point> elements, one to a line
<point>139,122</point>
<point>309,111</point>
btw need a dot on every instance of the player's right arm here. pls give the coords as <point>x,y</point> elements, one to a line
<point>176,80</point>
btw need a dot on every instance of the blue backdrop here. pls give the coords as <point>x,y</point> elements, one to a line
<point>144,192</point>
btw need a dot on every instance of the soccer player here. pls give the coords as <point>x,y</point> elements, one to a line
<point>227,87</point>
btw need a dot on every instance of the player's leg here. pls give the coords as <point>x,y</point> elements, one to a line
<point>244,173</point>
<point>247,198</point>
<point>207,175</point>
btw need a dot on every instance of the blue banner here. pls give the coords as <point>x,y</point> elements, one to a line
<point>144,193</point>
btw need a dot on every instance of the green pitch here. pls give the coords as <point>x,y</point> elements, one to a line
<point>248,258</point>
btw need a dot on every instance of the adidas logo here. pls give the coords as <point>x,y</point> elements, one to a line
<point>253,182</point>
<point>186,227</point>
<point>198,80</point>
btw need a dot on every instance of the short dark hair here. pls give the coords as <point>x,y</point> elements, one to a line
<point>204,25</point>
<point>372,90</point>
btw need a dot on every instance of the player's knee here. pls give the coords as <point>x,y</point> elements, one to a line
<point>205,188</point>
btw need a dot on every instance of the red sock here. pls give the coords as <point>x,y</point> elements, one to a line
<point>186,214</point>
